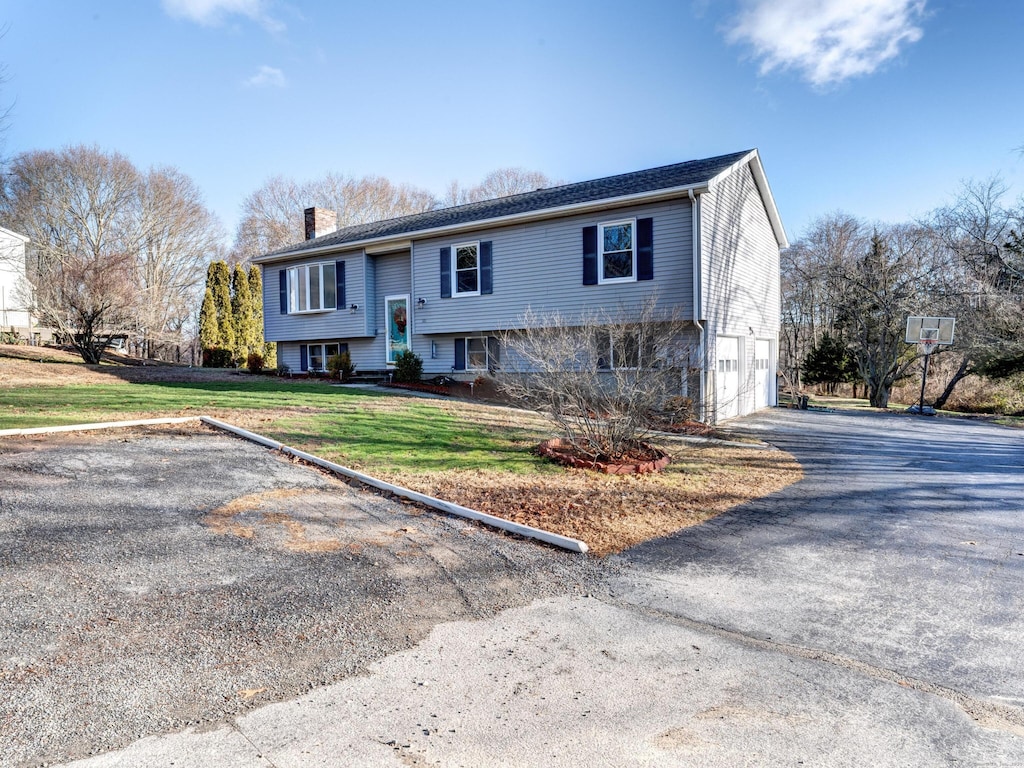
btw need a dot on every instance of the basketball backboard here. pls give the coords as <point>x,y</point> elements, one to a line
<point>930,330</point>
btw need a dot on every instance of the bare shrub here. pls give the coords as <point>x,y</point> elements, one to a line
<point>603,378</point>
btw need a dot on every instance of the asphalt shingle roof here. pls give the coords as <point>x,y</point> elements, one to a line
<point>665,177</point>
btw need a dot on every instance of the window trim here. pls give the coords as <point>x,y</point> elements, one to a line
<point>601,279</point>
<point>612,365</point>
<point>293,287</point>
<point>323,345</point>
<point>651,357</point>
<point>489,364</point>
<point>456,293</point>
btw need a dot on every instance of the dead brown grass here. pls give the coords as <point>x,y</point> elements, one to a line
<point>24,366</point>
<point>613,513</point>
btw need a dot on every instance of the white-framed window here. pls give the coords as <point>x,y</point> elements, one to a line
<point>320,354</point>
<point>466,269</point>
<point>616,251</point>
<point>312,288</point>
<point>481,353</point>
<point>628,348</point>
<point>618,350</point>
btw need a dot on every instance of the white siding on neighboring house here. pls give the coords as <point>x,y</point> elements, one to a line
<point>13,314</point>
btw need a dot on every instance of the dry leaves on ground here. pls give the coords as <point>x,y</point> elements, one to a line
<point>613,513</point>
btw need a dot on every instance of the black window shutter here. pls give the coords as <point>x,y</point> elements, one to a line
<point>590,255</point>
<point>303,357</point>
<point>339,273</point>
<point>283,275</point>
<point>486,269</point>
<point>446,273</point>
<point>645,249</point>
<point>493,353</point>
<point>460,354</point>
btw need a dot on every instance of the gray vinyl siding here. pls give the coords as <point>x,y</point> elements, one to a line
<point>392,276</point>
<point>740,271</point>
<point>444,363</point>
<point>540,266</point>
<point>331,325</point>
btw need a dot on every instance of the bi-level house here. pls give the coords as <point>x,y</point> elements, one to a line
<point>702,236</point>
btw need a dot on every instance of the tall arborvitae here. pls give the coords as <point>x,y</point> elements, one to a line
<point>267,349</point>
<point>241,312</point>
<point>219,281</point>
<point>209,330</point>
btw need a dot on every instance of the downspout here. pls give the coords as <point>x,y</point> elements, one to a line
<point>697,303</point>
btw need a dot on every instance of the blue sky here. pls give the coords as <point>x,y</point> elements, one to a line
<point>875,107</point>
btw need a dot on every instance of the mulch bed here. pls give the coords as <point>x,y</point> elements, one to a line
<point>643,460</point>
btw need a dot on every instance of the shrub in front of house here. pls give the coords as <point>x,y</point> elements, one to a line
<point>341,366</point>
<point>215,357</point>
<point>254,362</point>
<point>408,367</point>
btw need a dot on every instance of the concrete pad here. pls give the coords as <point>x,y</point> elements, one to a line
<point>569,682</point>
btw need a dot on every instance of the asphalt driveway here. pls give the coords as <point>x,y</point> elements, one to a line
<point>155,579</point>
<point>903,548</point>
<point>869,615</point>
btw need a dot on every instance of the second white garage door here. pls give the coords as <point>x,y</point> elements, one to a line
<point>727,374</point>
<point>764,375</point>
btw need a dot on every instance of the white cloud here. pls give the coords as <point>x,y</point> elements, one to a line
<point>827,41</point>
<point>268,77</point>
<point>212,13</point>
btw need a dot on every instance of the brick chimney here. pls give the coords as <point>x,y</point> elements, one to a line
<point>320,221</point>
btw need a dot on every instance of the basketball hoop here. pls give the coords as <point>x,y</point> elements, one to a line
<point>928,333</point>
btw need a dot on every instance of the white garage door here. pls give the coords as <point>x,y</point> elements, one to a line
<point>764,380</point>
<point>727,374</point>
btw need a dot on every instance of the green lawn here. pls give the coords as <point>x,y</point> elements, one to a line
<point>356,428</point>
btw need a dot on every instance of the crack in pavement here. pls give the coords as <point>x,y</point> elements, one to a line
<point>233,725</point>
<point>988,714</point>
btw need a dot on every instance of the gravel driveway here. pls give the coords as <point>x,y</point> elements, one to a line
<point>151,579</point>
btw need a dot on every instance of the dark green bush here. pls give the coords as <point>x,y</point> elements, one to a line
<point>341,366</point>
<point>408,367</point>
<point>215,357</point>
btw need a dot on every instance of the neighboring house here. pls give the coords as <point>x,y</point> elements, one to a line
<point>703,236</point>
<point>15,319</point>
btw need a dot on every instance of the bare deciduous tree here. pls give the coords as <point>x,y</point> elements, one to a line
<point>979,278</point>
<point>809,271</point>
<point>602,378</point>
<point>500,183</point>
<point>76,205</point>
<point>112,251</point>
<point>509,181</point>
<point>179,236</point>
<point>859,288</point>
<point>879,290</point>
<point>272,216</point>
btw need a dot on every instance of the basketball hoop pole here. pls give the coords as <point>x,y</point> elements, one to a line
<point>924,379</point>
